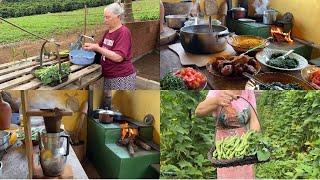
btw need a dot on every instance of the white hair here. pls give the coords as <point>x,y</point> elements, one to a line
<point>115,8</point>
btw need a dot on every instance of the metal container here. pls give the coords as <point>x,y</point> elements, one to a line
<point>81,57</point>
<point>54,149</point>
<point>198,39</point>
<point>269,16</point>
<point>117,116</point>
<point>176,21</point>
<point>238,13</point>
<point>4,140</point>
<point>106,116</point>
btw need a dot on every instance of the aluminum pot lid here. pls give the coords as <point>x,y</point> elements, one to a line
<point>238,9</point>
<point>269,11</point>
<point>204,29</point>
<point>177,16</point>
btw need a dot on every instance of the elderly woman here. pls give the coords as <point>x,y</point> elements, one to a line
<point>116,52</point>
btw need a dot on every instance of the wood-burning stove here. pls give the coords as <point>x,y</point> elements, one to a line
<point>110,154</point>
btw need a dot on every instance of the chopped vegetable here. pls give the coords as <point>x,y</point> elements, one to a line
<point>171,82</point>
<point>315,78</point>
<point>51,73</point>
<point>192,78</point>
<point>287,63</point>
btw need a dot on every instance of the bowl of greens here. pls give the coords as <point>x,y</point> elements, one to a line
<point>270,58</point>
<point>50,74</point>
<point>274,80</point>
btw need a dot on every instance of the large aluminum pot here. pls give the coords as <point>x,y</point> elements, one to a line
<point>198,39</point>
<point>54,149</point>
<point>176,21</point>
<point>269,16</point>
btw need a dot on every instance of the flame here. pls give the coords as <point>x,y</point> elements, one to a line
<point>127,131</point>
<point>276,31</point>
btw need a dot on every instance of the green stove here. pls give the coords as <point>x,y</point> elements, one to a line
<point>113,160</point>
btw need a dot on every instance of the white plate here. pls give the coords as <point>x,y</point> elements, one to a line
<point>264,56</point>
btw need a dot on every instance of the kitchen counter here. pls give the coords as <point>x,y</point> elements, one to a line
<point>15,163</point>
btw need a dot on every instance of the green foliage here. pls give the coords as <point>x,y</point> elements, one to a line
<point>51,73</point>
<point>291,120</point>
<point>32,7</point>
<point>172,82</point>
<point>250,143</point>
<point>51,24</point>
<point>185,141</point>
<point>287,63</point>
<point>146,10</point>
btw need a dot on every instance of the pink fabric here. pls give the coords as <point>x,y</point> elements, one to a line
<point>237,172</point>
<point>119,42</point>
<point>238,104</point>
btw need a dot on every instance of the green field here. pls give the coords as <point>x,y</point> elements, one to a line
<point>50,24</point>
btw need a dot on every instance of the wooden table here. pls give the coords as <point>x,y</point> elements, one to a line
<point>15,165</point>
<point>17,75</point>
<point>170,60</point>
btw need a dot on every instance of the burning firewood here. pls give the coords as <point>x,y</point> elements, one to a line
<point>124,142</point>
<point>131,147</point>
<point>143,145</point>
<point>281,36</point>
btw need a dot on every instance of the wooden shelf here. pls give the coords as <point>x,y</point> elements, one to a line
<point>47,113</point>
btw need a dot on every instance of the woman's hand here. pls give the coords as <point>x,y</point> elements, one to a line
<point>225,98</point>
<point>91,47</point>
<point>209,105</point>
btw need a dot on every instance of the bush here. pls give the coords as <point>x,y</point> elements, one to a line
<point>291,120</point>
<point>18,8</point>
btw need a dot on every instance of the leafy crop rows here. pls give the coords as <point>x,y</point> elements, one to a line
<point>31,7</point>
<point>52,24</point>
<point>290,123</point>
<point>184,142</point>
<point>291,120</point>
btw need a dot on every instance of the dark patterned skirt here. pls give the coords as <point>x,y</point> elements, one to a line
<point>121,83</point>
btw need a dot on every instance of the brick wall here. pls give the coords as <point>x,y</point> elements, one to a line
<point>145,35</point>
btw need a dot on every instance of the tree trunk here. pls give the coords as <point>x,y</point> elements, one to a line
<point>128,14</point>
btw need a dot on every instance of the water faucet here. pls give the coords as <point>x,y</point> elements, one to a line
<point>85,36</point>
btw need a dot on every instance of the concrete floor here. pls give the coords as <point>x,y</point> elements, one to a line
<point>148,66</point>
<point>90,170</point>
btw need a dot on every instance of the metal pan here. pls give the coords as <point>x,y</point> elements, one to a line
<point>198,39</point>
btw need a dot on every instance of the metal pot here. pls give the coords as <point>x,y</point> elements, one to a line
<point>176,21</point>
<point>4,140</point>
<point>269,16</point>
<point>95,113</point>
<point>117,116</point>
<point>198,39</point>
<point>106,116</point>
<point>54,149</point>
<point>238,13</point>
